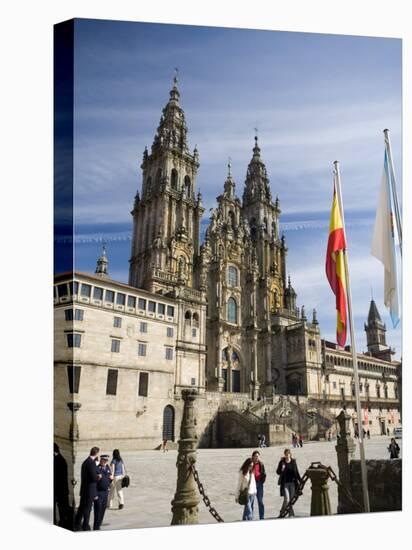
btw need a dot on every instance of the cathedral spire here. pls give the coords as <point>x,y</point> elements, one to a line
<point>171,133</point>
<point>229,183</point>
<point>174,92</point>
<point>257,182</point>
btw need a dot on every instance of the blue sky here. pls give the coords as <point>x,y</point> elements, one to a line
<point>314,98</point>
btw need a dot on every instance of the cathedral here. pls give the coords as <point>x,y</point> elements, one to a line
<point>239,270</point>
<point>219,315</point>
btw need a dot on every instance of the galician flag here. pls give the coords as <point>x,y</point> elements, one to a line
<point>335,267</point>
<point>383,243</point>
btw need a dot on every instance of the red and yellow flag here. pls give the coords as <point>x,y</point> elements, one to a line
<point>335,267</point>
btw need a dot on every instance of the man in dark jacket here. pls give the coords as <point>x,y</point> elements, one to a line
<point>61,490</point>
<point>103,486</point>
<point>88,490</point>
<point>260,478</point>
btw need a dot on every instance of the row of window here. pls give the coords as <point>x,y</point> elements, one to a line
<point>72,288</point>
<point>74,372</point>
<point>74,340</point>
<point>78,315</point>
<point>343,362</point>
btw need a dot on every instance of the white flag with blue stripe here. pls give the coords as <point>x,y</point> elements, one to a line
<point>383,243</point>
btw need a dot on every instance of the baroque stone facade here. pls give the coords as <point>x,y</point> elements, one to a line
<point>219,316</point>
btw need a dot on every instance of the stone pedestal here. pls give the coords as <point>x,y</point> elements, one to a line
<point>320,503</point>
<point>345,450</point>
<point>186,500</point>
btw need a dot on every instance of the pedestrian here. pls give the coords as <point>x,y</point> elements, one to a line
<point>88,490</point>
<point>61,490</point>
<point>164,445</point>
<point>118,472</point>
<point>259,440</point>
<point>393,449</point>
<point>263,440</point>
<point>289,478</point>
<point>300,440</point>
<point>246,487</point>
<point>103,485</point>
<point>329,436</point>
<point>260,478</point>
<point>387,432</point>
<point>368,434</point>
<point>293,440</point>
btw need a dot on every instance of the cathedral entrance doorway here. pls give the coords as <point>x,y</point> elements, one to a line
<point>169,423</point>
<point>231,370</point>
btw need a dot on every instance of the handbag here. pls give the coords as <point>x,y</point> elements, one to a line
<point>125,481</point>
<point>244,493</point>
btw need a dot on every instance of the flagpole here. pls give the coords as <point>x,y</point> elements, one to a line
<point>394,190</point>
<point>353,348</point>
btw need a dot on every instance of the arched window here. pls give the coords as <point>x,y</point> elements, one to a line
<point>173,179</point>
<point>232,310</point>
<point>232,276</point>
<point>195,320</point>
<point>188,318</point>
<point>231,219</point>
<point>187,187</point>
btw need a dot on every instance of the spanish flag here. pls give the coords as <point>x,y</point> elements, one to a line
<point>335,267</point>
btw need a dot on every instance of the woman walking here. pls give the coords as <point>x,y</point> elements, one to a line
<point>246,489</point>
<point>289,478</point>
<point>118,471</point>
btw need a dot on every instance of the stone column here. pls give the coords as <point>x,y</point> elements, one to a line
<point>255,385</point>
<point>269,382</point>
<point>186,499</point>
<point>74,407</point>
<point>345,449</point>
<point>320,503</point>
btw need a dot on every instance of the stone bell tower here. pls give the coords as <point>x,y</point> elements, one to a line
<point>263,217</point>
<point>376,335</point>
<point>167,213</point>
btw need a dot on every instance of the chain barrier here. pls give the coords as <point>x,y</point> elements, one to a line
<point>206,499</point>
<point>289,508</point>
<point>344,490</point>
<point>299,491</point>
<point>331,474</point>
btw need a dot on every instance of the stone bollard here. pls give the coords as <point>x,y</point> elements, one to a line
<point>345,449</point>
<point>186,499</point>
<point>320,503</point>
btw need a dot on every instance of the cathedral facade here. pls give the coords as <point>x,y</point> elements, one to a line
<point>219,315</point>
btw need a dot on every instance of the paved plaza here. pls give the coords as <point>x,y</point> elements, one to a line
<point>153,482</point>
